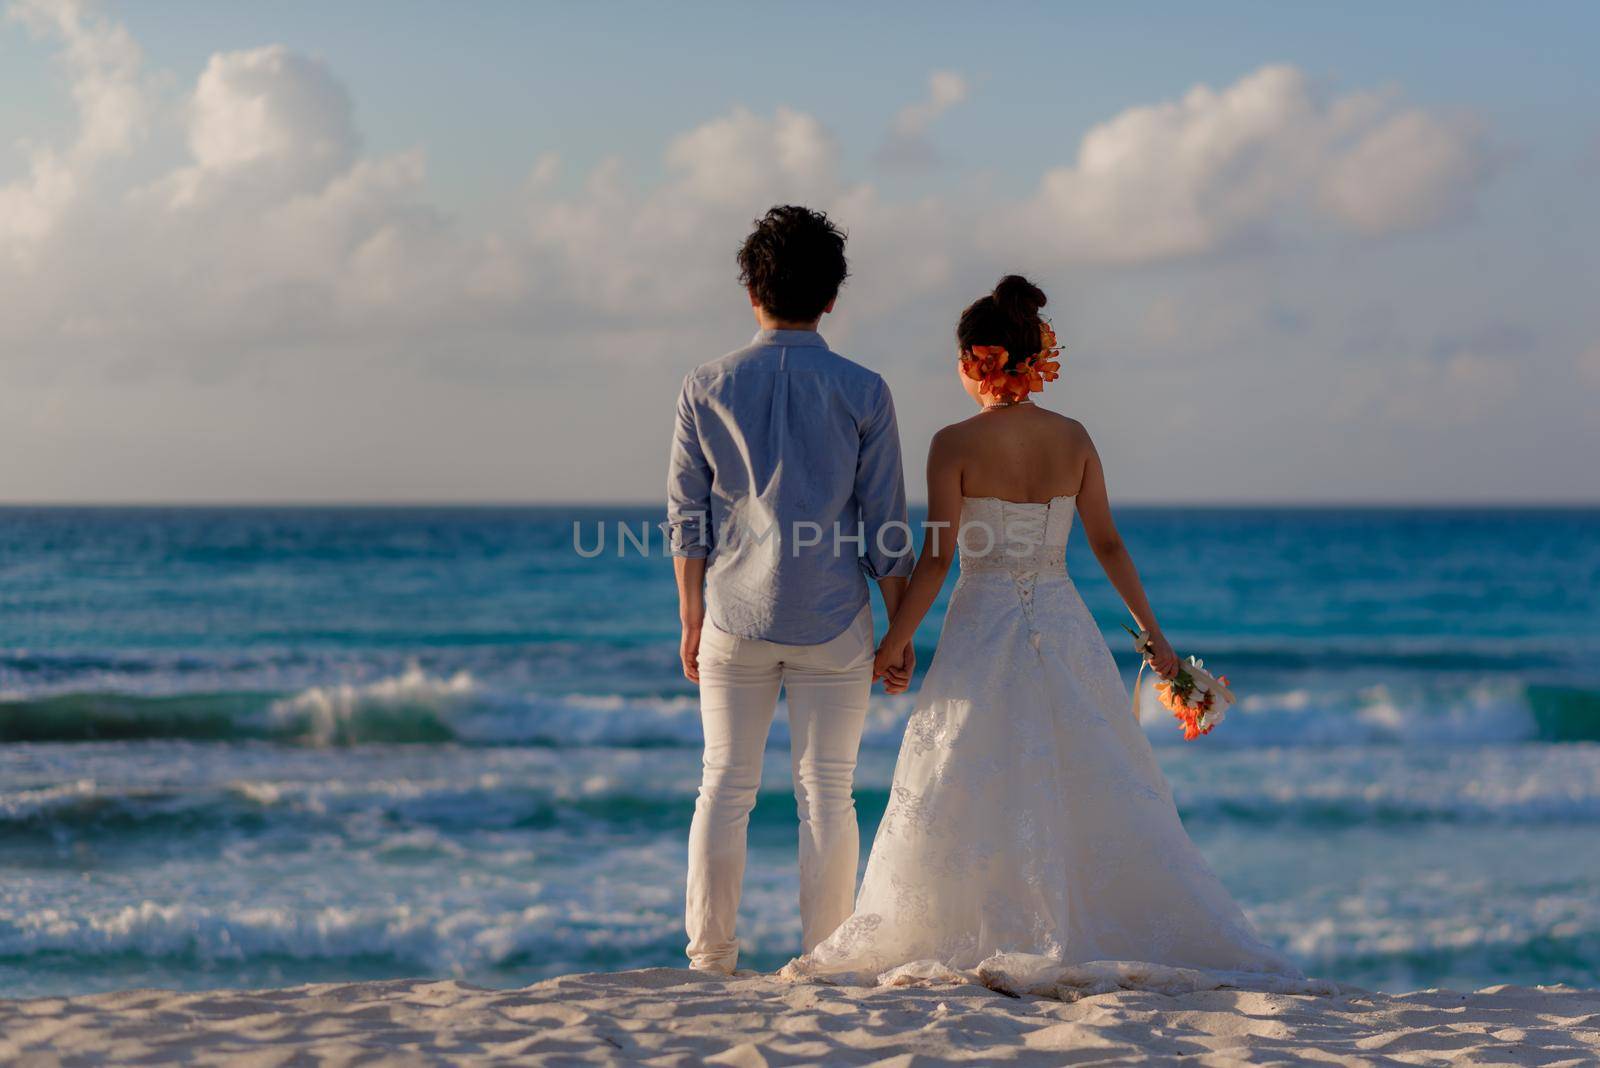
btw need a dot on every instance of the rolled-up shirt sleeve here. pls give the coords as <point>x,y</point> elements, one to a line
<point>688,526</point>
<point>881,494</point>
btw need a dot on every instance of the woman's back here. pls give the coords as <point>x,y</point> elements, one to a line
<point>1019,453</point>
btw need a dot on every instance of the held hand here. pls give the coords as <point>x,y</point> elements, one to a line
<point>689,650</point>
<point>894,664</point>
<point>901,676</point>
<point>1161,657</point>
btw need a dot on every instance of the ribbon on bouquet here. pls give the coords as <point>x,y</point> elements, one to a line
<point>1141,645</point>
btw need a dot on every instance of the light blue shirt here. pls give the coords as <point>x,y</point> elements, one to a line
<point>785,471</point>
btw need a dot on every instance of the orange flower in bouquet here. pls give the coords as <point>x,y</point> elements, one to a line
<point>1196,699</point>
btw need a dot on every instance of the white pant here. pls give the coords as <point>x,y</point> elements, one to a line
<point>827,686</point>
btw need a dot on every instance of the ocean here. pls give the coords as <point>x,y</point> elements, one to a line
<point>265,746</point>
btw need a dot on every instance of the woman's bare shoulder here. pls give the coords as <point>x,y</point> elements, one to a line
<point>961,430</point>
<point>1069,428</point>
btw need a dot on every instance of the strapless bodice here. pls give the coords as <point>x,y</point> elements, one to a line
<point>1015,536</point>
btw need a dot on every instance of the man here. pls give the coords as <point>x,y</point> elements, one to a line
<point>785,476</point>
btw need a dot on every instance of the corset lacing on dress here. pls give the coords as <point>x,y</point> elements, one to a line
<point>1020,538</point>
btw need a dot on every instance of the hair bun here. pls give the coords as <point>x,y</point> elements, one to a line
<point>1008,318</point>
<point>1019,297</point>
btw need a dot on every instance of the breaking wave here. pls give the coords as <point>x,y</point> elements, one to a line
<point>414,706</point>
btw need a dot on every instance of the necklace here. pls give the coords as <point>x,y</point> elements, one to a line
<point>1005,404</point>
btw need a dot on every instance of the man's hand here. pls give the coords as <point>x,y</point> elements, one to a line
<point>689,649</point>
<point>691,576</point>
<point>894,664</point>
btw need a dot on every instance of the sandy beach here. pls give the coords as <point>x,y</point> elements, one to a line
<point>664,1016</point>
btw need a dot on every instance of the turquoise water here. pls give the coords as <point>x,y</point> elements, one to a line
<point>267,746</point>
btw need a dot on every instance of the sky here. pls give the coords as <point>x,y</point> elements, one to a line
<point>438,252</point>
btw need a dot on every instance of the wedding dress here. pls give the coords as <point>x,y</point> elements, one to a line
<point>1028,814</point>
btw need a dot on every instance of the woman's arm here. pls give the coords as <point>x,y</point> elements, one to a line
<point>938,553</point>
<point>1094,508</point>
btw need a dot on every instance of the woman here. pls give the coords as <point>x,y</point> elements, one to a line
<point>1027,813</point>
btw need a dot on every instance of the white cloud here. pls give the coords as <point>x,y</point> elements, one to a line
<point>1409,170</point>
<point>265,122</point>
<point>631,253</point>
<point>907,143</point>
<point>102,63</point>
<point>1216,168</point>
<point>742,157</point>
<point>632,258</point>
<point>274,231</point>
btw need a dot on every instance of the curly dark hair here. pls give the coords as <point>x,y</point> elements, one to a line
<point>793,261</point>
<point>1009,316</point>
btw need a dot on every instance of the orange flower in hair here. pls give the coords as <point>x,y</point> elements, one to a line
<point>1047,363</point>
<point>986,364</point>
<point>987,360</point>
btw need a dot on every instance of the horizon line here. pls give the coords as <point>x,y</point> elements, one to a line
<point>464,505</point>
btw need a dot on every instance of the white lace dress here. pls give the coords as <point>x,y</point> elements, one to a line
<point>1028,814</point>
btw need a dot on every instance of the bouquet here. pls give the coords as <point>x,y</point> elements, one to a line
<point>1196,699</point>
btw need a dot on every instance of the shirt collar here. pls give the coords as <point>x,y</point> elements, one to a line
<point>795,339</point>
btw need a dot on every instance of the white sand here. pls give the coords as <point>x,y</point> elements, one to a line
<point>671,1017</point>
